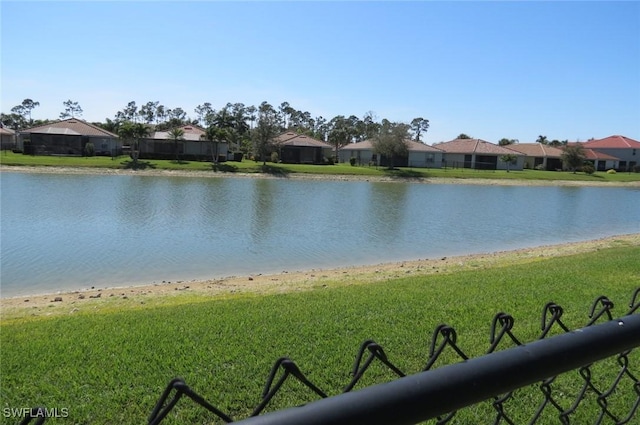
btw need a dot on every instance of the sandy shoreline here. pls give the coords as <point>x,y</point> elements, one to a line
<point>302,176</point>
<point>122,297</point>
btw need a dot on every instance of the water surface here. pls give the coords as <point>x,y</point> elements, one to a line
<point>62,232</point>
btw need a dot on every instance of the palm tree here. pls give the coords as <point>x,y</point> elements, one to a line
<point>176,134</point>
<point>542,140</point>
<point>214,135</point>
<point>125,132</point>
<point>133,132</point>
<point>140,131</point>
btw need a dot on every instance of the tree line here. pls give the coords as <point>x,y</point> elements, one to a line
<point>248,128</point>
<point>236,117</point>
<point>243,127</point>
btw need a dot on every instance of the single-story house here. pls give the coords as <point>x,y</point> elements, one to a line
<point>7,138</point>
<point>539,156</point>
<point>624,149</point>
<point>193,146</point>
<point>478,154</point>
<point>419,155</point>
<point>294,148</point>
<point>68,137</point>
<point>601,161</point>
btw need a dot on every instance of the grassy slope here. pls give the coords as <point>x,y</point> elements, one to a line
<point>9,158</point>
<point>112,367</point>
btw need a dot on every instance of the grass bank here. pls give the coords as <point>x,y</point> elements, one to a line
<point>8,158</point>
<point>111,367</point>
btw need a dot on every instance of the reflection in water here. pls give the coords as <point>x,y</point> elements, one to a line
<point>385,210</point>
<point>135,200</point>
<point>69,232</point>
<point>262,210</point>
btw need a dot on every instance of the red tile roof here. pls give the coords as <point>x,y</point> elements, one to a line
<point>591,154</point>
<point>71,126</point>
<point>477,146</point>
<point>613,142</point>
<point>536,149</point>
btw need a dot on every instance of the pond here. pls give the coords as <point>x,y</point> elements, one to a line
<point>65,232</point>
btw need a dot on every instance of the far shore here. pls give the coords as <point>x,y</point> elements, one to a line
<point>306,176</point>
<point>95,299</point>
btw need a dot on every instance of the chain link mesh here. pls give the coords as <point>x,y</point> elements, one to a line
<point>610,387</point>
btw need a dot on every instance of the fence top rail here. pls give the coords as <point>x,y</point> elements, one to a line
<point>416,398</point>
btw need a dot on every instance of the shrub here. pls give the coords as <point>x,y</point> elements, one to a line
<point>89,150</point>
<point>540,167</point>
<point>611,171</point>
<point>636,168</point>
<point>352,161</point>
<point>274,157</point>
<point>588,168</point>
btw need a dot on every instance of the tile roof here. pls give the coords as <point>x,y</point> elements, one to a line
<point>191,133</point>
<point>613,142</point>
<point>537,149</point>
<point>360,146</point>
<point>593,154</point>
<point>6,131</point>
<point>477,146</point>
<point>71,126</point>
<point>291,138</point>
<point>413,146</point>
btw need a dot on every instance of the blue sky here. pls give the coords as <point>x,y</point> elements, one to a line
<point>567,70</point>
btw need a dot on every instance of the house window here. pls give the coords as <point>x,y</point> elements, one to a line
<point>634,152</point>
<point>429,158</point>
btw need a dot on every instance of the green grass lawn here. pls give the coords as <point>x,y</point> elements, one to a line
<point>111,367</point>
<point>8,158</point>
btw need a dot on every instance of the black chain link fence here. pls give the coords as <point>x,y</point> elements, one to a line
<point>497,385</point>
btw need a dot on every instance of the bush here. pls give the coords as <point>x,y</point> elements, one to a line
<point>89,150</point>
<point>636,168</point>
<point>611,171</point>
<point>588,168</point>
<point>540,167</point>
<point>352,161</point>
<point>274,157</point>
